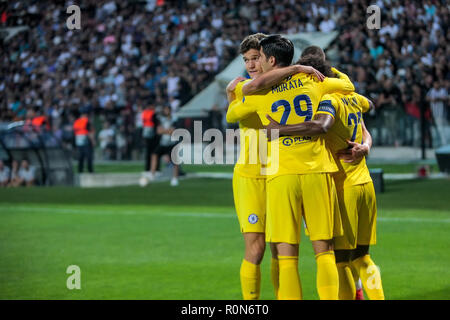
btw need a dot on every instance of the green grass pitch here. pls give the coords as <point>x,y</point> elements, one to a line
<point>160,242</point>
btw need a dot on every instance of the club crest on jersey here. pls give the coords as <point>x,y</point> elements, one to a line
<point>253,218</point>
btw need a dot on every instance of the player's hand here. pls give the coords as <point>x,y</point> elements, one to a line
<point>232,85</point>
<point>312,71</point>
<point>273,125</point>
<point>354,154</point>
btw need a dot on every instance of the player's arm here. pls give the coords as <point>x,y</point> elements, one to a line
<point>367,137</point>
<point>231,95</point>
<point>238,110</point>
<point>275,76</point>
<point>340,84</point>
<point>357,151</point>
<point>321,123</point>
<point>367,105</point>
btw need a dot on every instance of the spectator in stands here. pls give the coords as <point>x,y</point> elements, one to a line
<point>26,174</point>
<point>413,116</point>
<point>172,81</point>
<point>165,127</point>
<point>438,99</point>
<point>390,105</point>
<point>67,134</point>
<point>5,174</point>
<point>84,141</point>
<point>150,135</point>
<point>15,179</point>
<point>121,143</point>
<point>217,115</point>
<point>127,50</point>
<point>327,25</point>
<point>106,138</point>
<point>40,121</point>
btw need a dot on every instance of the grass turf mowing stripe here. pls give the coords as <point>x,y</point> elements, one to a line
<point>133,257</point>
<point>163,211</point>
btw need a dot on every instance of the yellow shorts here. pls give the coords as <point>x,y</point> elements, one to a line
<point>313,196</point>
<point>250,202</point>
<point>358,208</point>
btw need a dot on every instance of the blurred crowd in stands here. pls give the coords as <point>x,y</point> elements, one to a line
<point>403,67</point>
<point>132,54</point>
<point>17,175</point>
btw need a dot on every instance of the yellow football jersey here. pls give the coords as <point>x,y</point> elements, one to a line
<point>347,111</point>
<point>249,162</point>
<point>293,101</point>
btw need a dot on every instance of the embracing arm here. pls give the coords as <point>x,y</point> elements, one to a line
<point>230,90</point>
<point>367,137</point>
<point>275,76</point>
<point>341,84</point>
<point>238,110</point>
<point>320,125</point>
<point>357,151</point>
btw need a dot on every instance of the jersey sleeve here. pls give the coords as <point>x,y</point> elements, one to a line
<point>341,84</point>
<point>327,106</point>
<point>364,103</point>
<point>238,90</point>
<point>238,109</point>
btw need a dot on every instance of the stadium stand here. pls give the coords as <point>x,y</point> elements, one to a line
<point>129,53</point>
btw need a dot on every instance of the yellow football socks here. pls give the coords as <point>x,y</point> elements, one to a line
<point>289,279</point>
<point>327,276</point>
<point>370,277</point>
<point>250,280</point>
<point>347,289</point>
<point>275,276</point>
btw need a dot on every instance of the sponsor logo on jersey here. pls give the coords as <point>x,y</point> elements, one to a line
<point>296,140</point>
<point>287,141</point>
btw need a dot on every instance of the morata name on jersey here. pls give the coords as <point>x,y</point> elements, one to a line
<point>290,84</point>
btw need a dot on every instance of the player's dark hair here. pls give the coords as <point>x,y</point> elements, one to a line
<point>251,42</point>
<point>318,63</point>
<point>314,51</point>
<point>281,48</point>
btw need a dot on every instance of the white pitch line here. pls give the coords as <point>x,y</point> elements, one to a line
<point>115,211</point>
<point>409,219</point>
<point>162,212</point>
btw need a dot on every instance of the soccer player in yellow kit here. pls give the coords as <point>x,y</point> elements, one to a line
<point>357,201</point>
<point>314,55</point>
<point>247,179</point>
<point>249,183</point>
<point>302,184</point>
<point>340,117</point>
